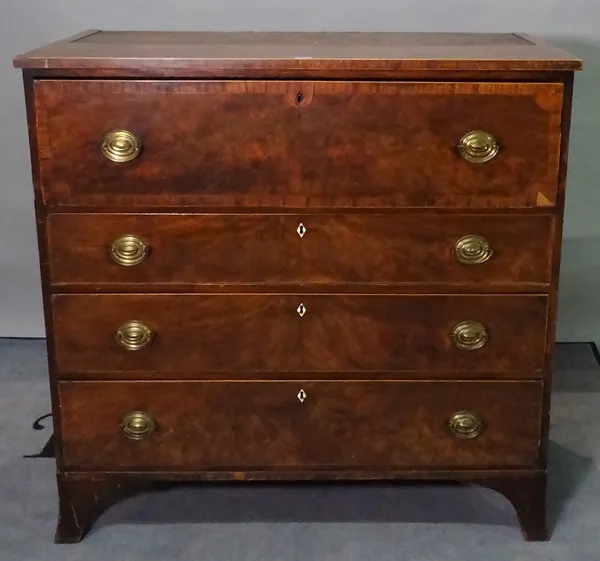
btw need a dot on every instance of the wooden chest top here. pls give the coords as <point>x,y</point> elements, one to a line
<point>277,53</point>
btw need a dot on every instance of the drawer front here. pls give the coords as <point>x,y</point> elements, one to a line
<point>285,143</point>
<point>287,333</point>
<point>302,424</point>
<point>199,249</point>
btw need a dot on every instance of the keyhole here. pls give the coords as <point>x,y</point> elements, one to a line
<point>299,98</point>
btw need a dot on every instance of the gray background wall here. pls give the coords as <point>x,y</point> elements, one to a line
<point>573,24</point>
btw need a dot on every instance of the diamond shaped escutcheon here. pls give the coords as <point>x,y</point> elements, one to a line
<point>301,396</point>
<point>301,230</point>
<point>301,309</point>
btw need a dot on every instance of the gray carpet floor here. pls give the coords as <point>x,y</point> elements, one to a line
<point>320,523</point>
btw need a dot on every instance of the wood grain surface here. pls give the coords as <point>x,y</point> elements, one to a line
<point>254,333</point>
<point>266,249</point>
<point>252,425</point>
<point>252,143</point>
<point>273,53</point>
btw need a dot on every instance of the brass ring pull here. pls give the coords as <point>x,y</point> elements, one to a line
<point>472,250</point>
<point>137,425</point>
<point>129,250</point>
<point>121,146</point>
<point>465,424</point>
<point>469,335</point>
<point>478,147</point>
<point>134,336</point>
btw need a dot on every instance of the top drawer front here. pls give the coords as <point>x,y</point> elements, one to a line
<point>285,143</point>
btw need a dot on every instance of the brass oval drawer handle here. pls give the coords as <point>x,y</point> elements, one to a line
<point>121,146</point>
<point>134,336</point>
<point>472,250</point>
<point>137,425</point>
<point>465,424</point>
<point>129,250</point>
<point>478,147</point>
<point>469,335</point>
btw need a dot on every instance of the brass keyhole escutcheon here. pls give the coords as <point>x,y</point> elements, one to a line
<point>472,250</point>
<point>465,424</point>
<point>134,336</point>
<point>121,146</point>
<point>469,335</point>
<point>478,147</point>
<point>137,425</point>
<point>129,250</point>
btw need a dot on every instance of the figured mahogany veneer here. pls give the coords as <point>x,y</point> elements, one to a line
<point>264,426</point>
<point>336,333</point>
<point>266,249</point>
<point>343,144</point>
<point>299,256</point>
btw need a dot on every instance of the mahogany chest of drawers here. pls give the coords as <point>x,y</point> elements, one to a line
<point>285,256</point>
